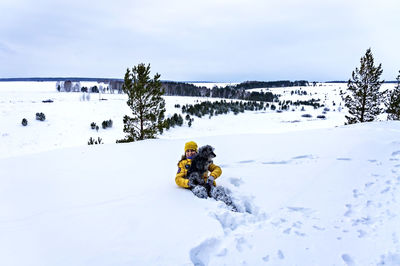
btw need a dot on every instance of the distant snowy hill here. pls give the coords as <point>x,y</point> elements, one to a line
<point>311,192</point>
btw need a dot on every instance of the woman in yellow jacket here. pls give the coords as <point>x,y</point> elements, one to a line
<point>184,165</point>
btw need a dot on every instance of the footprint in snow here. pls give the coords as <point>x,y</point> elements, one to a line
<point>349,211</point>
<point>305,211</point>
<point>318,228</point>
<point>287,231</point>
<point>356,193</point>
<point>280,254</point>
<point>236,181</point>
<point>361,233</point>
<point>343,159</point>
<point>266,258</point>
<point>367,185</point>
<point>241,243</point>
<point>299,233</point>
<point>200,254</point>
<point>396,153</point>
<point>308,156</point>
<point>348,260</point>
<point>246,161</point>
<point>278,162</point>
<point>395,156</point>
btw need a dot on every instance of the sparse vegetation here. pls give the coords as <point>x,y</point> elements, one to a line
<point>93,141</point>
<point>40,116</point>
<point>107,124</point>
<point>24,122</point>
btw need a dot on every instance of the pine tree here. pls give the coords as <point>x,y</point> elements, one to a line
<point>393,106</point>
<point>145,102</point>
<point>363,98</point>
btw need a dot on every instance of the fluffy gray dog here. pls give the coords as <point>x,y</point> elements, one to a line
<point>200,163</point>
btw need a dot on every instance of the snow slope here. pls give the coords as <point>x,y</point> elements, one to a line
<point>311,195</point>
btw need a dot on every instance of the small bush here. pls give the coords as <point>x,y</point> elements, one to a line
<point>24,122</point>
<point>92,141</point>
<point>93,125</point>
<point>306,115</point>
<point>321,116</point>
<point>107,123</point>
<point>40,116</point>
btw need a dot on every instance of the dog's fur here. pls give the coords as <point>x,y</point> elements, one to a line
<point>200,163</point>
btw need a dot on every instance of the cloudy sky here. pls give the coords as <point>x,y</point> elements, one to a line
<point>198,40</point>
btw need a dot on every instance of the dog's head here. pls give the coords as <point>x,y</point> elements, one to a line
<point>207,152</point>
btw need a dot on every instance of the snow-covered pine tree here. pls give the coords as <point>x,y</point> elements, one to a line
<point>146,103</point>
<point>363,97</point>
<point>393,106</point>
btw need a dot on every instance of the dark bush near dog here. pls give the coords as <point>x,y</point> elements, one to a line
<point>24,122</point>
<point>40,116</point>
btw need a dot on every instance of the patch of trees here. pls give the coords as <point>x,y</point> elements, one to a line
<point>93,141</point>
<point>172,88</point>
<point>228,92</point>
<point>40,116</point>
<point>313,102</point>
<point>221,107</point>
<point>175,120</point>
<point>298,92</point>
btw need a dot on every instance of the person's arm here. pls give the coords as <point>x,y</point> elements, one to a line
<point>180,178</point>
<point>215,170</point>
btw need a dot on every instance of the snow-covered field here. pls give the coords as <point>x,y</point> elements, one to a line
<point>310,191</point>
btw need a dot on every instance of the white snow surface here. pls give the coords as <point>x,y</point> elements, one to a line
<point>309,191</point>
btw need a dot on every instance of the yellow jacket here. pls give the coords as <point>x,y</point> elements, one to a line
<point>183,167</point>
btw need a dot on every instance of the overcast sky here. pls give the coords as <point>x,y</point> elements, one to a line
<point>205,40</point>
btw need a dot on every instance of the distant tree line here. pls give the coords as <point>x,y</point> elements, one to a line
<point>270,84</point>
<point>238,91</point>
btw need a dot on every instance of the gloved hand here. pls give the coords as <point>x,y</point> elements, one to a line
<point>210,180</point>
<point>191,183</point>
